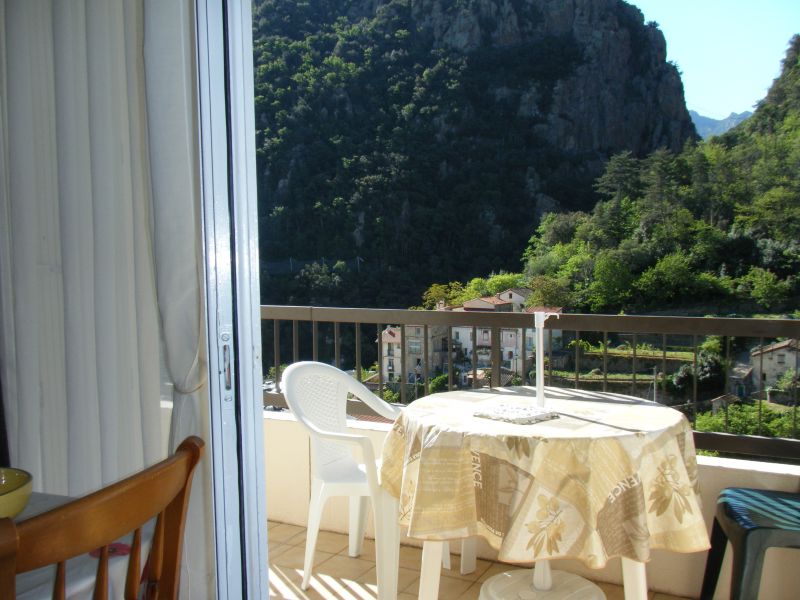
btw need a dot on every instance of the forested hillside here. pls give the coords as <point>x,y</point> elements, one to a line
<point>714,228</point>
<point>402,142</point>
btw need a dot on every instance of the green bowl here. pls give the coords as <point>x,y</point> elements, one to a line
<point>15,491</point>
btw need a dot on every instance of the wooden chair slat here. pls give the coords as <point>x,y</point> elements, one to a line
<point>60,584</point>
<point>156,562</point>
<point>101,579</point>
<point>133,577</point>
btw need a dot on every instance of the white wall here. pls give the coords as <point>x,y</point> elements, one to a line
<point>287,470</point>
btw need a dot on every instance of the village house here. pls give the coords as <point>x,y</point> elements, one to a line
<point>772,361</point>
<point>392,352</point>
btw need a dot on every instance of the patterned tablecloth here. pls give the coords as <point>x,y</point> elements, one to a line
<point>611,476</point>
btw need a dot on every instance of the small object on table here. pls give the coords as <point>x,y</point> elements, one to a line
<point>15,491</point>
<point>514,413</point>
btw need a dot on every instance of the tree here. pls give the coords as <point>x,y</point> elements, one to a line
<point>774,214</point>
<point>549,291</point>
<point>438,384</point>
<point>555,228</point>
<point>710,377</point>
<point>476,288</point>
<point>764,287</point>
<point>787,382</point>
<point>621,178</point>
<point>503,281</point>
<point>322,282</point>
<point>441,292</point>
<point>669,281</point>
<point>747,419</point>
<point>659,177</point>
<point>611,287</point>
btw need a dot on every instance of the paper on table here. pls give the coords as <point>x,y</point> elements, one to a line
<point>515,413</point>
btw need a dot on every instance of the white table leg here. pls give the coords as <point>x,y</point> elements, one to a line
<point>542,575</point>
<point>519,584</point>
<point>387,545</point>
<point>431,570</point>
<point>634,579</point>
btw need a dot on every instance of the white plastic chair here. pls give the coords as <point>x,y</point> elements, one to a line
<point>317,394</point>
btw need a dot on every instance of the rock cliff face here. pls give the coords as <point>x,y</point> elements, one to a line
<point>623,96</point>
<point>427,137</point>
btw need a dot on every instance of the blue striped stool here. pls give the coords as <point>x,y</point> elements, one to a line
<point>753,520</point>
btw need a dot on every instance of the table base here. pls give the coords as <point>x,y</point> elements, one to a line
<point>511,585</point>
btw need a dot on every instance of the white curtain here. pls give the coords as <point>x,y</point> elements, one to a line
<point>171,91</point>
<point>100,246</point>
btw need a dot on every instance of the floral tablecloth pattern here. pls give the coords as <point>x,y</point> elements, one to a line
<point>611,476</point>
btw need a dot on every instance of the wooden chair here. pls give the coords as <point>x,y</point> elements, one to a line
<point>95,521</point>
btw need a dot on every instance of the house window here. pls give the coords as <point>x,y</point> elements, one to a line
<point>509,296</point>
<point>415,346</point>
<point>417,331</point>
<point>390,367</point>
<point>485,335</point>
<point>390,350</point>
<point>457,335</point>
<point>781,359</point>
<point>510,354</point>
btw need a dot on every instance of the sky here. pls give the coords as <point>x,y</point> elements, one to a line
<point>728,51</point>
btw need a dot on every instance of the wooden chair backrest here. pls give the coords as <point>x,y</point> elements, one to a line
<point>95,521</point>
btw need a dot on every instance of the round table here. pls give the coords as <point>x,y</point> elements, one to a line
<point>611,476</point>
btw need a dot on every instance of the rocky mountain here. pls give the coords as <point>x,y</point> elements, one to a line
<point>424,139</point>
<point>706,126</point>
<point>622,95</point>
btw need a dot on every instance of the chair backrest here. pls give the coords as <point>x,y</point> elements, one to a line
<point>317,394</point>
<point>97,520</point>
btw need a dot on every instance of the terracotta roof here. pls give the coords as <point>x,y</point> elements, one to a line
<point>789,344</point>
<point>373,418</point>
<point>391,334</point>
<point>550,309</point>
<point>490,300</point>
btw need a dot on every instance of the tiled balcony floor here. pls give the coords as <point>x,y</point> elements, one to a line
<point>339,577</point>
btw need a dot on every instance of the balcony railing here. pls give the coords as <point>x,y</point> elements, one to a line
<point>347,337</point>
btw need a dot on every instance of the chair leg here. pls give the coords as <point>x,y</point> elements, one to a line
<point>748,559</point>
<point>430,572</point>
<point>312,532</point>
<point>468,564</point>
<point>446,556</point>
<point>358,523</point>
<point>714,561</point>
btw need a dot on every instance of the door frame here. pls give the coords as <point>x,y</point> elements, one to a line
<point>230,237</point>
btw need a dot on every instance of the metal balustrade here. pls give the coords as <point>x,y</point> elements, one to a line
<point>348,336</point>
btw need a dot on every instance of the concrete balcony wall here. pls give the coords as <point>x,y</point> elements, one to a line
<point>287,472</point>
